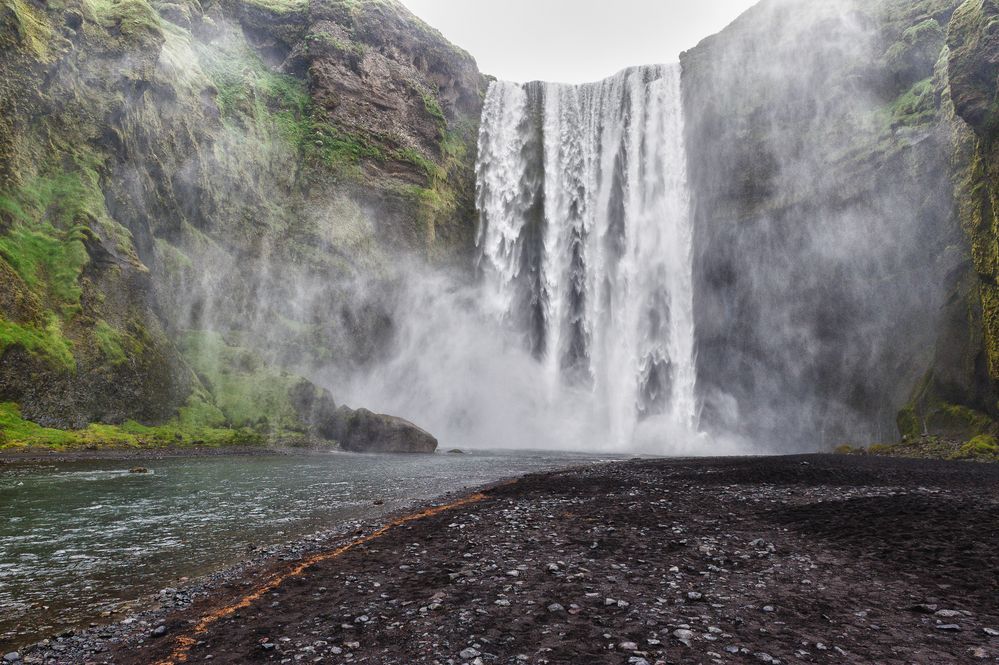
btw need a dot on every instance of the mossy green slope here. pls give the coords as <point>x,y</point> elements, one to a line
<point>171,171</point>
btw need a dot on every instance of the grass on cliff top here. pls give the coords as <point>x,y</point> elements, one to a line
<point>16,433</point>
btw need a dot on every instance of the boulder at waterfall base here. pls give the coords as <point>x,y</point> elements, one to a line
<point>363,431</point>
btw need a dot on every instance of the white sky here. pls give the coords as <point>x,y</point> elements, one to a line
<point>574,41</point>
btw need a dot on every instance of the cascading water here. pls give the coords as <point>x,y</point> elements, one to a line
<point>585,240</point>
<point>579,334</point>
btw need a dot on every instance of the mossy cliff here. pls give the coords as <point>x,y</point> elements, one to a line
<point>833,278</point>
<point>189,190</point>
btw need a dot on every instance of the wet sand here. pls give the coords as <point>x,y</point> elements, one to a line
<point>818,559</point>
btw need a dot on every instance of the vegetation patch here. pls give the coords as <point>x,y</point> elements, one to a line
<point>983,448</point>
<point>917,106</point>
<point>16,432</point>
<point>247,391</point>
<point>46,342</point>
<point>29,26</point>
<point>280,6</point>
<point>130,18</point>
<point>111,343</point>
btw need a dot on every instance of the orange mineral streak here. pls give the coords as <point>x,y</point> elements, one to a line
<point>186,642</point>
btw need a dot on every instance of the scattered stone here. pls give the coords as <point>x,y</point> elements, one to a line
<point>159,631</point>
<point>627,646</point>
<point>12,657</point>
<point>469,653</point>
<point>952,627</point>
<point>138,469</point>
<point>683,634</point>
<point>556,607</point>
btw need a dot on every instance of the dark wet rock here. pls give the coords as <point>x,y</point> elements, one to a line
<point>138,469</point>
<point>367,432</point>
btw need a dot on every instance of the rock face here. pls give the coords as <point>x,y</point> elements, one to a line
<point>193,193</point>
<point>365,432</point>
<point>829,263</point>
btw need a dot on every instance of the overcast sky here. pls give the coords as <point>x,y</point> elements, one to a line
<point>574,40</point>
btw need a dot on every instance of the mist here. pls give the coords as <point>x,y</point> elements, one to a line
<point>693,260</point>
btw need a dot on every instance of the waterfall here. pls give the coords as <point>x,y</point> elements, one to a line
<point>585,242</point>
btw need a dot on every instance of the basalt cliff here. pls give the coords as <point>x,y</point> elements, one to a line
<point>189,192</point>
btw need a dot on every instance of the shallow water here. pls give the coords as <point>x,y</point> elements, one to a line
<point>79,538</point>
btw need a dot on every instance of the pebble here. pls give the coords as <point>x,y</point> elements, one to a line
<point>469,653</point>
<point>159,631</point>
<point>952,627</point>
<point>12,657</point>
<point>947,614</point>
<point>992,632</point>
<point>555,607</point>
<point>627,646</point>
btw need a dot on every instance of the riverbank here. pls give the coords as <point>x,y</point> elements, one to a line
<point>797,559</point>
<point>34,455</point>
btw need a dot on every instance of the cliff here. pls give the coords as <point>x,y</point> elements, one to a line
<point>836,292</point>
<point>189,191</point>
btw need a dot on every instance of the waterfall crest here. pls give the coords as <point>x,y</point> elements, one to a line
<point>585,241</point>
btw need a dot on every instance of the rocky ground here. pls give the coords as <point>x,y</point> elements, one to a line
<point>819,559</point>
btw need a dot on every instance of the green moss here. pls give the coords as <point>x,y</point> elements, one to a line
<point>31,27</point>
<point>433,107</point>
<point>844,449</point>
<point>433,171</point>
<point>48,342</point>
<point>953,419</point>
<point>110,342</point>
<point>129,18</point>
<point>339,150</point>
<point>909,424</point>
<point>49,262</point>
<point>917,106</point>
<point>247,87</point>
<point>983,447</point>
<point>16,432</point>
<point>247,391</point>
<point>351,49</point>
<point>280,6</point>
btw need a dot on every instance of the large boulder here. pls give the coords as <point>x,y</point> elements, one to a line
<point>363,431</point>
